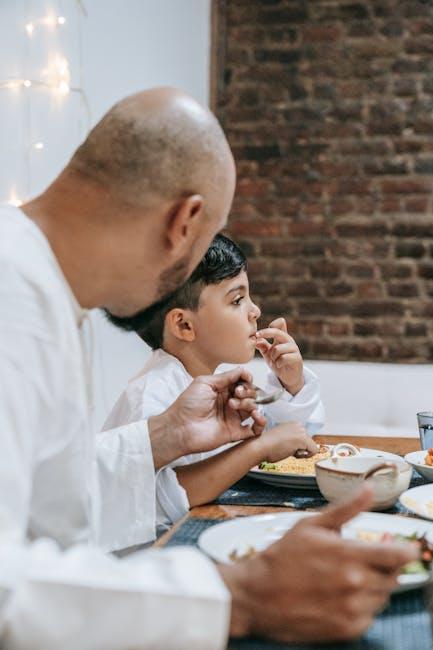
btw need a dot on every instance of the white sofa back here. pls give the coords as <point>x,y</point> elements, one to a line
<point>371,399</point>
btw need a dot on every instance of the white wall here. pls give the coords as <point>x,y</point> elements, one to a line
<point>125,45</point>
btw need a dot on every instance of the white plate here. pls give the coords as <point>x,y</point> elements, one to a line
<point>416,459</point>
<point>260,531</point>
<point>308,481</point>
<point>419,500</point>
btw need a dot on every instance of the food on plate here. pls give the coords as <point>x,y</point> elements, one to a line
<point>237,554</point>
<point>292,465</point>
<point>423,565</point>
<point>428,460</point>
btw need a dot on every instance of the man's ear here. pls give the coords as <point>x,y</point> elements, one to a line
<point>180,325</point>
<point>184,221</point>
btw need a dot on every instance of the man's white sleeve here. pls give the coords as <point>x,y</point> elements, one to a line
<point>123,495</point>
<point>82,598</point>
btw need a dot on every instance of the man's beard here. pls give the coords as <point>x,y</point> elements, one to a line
<point>169,283</point>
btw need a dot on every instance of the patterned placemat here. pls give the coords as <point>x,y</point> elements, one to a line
<point>404,625</point>
<point>252,492</point>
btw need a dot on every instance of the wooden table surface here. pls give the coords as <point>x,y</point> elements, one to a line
<point>395,445</point>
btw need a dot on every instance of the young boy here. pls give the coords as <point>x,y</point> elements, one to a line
<point>212,320</point>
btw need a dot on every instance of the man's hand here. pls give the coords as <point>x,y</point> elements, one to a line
<point>312,585</point>
<point>205,416</point>
<point>282,355</point>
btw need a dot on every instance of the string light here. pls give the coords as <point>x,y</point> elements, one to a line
<point>55,78</point>
<point>49,21</point>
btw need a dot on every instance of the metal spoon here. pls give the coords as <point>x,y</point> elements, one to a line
<point>262,397</point>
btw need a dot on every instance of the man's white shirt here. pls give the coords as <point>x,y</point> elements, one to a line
<point>64,491</point>
<point>160,383</point>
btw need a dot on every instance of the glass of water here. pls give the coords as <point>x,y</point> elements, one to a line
<point>425,426</point>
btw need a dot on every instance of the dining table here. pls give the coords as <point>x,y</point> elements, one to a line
<point>403,625</point>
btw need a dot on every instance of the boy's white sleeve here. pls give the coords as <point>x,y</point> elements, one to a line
<point>306,406</point>
<point>171,498</point>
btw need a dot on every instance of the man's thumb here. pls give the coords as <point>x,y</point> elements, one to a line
<point>334,516</point>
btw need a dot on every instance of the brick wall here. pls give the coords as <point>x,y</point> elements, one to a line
<point>328,106</point>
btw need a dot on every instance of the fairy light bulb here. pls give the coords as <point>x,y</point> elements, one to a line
<point>38,145</point>
<point>61,20</point>
<point>63,88</point>
<point>30,28</point>
<point>14,200</point>
<point>27,83</point>
<point>49,20</point>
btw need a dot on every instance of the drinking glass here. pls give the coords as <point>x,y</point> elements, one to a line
<point>425,427</point>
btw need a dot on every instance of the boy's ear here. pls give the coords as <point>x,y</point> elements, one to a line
<point>180,325</point>
<point>184,221</point>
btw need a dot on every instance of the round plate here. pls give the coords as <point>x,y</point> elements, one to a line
<point>308,481</point>
<point>258,532</point>
<point>419,500</point>
<point>416,459</point>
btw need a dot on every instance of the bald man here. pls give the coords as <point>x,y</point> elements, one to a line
<point>121,227</point>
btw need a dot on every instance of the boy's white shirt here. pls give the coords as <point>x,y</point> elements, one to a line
<point>55,473</point>
<point>160,383</point>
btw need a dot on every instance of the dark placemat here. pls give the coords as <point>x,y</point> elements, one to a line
<point>404,625</point>
<point>249,492</point>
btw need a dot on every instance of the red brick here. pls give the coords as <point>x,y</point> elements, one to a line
<point>416,204</point>
<point>254,187</point>
<point>321,33</point>
<point>406,186</point>
<point>332,133</point>
<point>256,228</point>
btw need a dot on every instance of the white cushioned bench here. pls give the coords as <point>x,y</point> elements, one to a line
<point>371,399</point>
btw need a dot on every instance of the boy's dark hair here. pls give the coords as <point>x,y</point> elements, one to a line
<point>223,259</point>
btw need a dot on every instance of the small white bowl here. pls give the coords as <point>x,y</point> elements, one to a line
<point>339,477</point>
<point>416,459</point>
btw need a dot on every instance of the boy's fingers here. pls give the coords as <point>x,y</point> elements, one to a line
<point>334,516</point>
<point>310,445</point>
<point>280,323</point>
<point>279,336</point>
<point>263,345</point>
<point>284,348</point>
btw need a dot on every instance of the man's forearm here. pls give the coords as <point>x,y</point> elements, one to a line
<point>166,439</point>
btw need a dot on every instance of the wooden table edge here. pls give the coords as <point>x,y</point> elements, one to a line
<point>400,446</point>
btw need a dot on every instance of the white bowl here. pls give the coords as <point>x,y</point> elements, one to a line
<point>416,459</point>
<point>339,477</point>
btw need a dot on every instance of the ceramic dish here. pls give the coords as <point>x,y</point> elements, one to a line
<point>308,481</point>
<point>249,534</point>
<point>416,459</point>
<point>339,477</point>
<point>419,500</point>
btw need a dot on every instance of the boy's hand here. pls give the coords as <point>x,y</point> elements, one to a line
<point>282,355</point>
<point>283,440</point>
